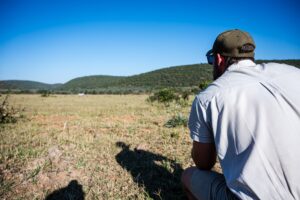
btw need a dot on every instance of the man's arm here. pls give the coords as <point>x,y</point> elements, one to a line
<point>204,155</point>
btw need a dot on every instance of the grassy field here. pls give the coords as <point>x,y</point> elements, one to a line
<point>93,147</point>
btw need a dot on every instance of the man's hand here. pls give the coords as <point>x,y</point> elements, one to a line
<point>204,155</point>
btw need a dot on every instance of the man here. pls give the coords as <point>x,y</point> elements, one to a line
<point>250,118</point>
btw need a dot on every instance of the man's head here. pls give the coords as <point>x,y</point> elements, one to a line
<point>229,47</point>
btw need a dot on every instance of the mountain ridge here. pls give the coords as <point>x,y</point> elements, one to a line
<point>173,76</point>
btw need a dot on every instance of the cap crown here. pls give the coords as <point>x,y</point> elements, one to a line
<point>234,43</point>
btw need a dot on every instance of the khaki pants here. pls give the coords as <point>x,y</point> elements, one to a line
<point>209,185</point>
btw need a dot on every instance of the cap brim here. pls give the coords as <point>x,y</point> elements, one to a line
<point>209,52</point>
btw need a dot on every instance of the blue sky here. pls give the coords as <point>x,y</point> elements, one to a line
<point>53,41</point>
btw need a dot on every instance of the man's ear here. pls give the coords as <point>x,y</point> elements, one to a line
<point>220,59</point>
<point>221,62</point>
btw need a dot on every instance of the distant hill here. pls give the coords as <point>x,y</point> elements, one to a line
<point>26,85</point>
<point>91,82</point>
<point>177,76</point>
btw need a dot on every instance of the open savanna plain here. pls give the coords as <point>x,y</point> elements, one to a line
<point>93,147</point>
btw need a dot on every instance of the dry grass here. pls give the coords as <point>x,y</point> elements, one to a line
<point>96,147</point>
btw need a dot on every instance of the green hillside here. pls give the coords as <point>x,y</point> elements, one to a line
<point>91,82</point>
<point>26,85</point>
<point>177,76</point>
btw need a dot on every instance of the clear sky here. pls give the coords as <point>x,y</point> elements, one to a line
<point>53,41</point>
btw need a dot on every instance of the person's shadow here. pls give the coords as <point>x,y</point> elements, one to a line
<point>71,192</point>
<point>159,175</point>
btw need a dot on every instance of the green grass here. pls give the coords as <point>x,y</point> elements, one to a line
<point>106,146</point>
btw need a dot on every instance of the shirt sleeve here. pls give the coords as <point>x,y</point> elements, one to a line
<point>200,130</point>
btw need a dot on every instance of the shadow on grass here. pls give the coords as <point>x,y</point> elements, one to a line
<point>159,175</point>
<point>71,192</point>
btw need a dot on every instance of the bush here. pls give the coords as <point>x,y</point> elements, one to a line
<point>204,84</point>
<point>195,90</point>
<point>175,121</point>
<point>44,93</point>
<point>164,96</point>
<point>185,95</point>
<point>8,114</point>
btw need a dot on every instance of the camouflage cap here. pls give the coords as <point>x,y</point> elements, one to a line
<point>234,43</point>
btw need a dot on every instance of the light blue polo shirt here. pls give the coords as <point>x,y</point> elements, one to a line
<point>252,114</point>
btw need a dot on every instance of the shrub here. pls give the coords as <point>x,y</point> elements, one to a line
<point>164,96</point>
<point>175,121</point>
<point>44,93</point>
<point>204,84</point>
<point>195,90</point>
<point>8,114</point>
<point>185,95</point>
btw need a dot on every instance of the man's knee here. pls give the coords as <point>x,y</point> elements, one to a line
<point>187,175</point>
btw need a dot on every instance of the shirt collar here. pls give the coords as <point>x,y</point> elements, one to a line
<point>242,63</point>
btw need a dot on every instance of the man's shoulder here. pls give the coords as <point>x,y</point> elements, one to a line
<point>278,71</point>
<point>244,75</point>
<point>213,89</point>
<point>279,64</point>
<point>280,67</point>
